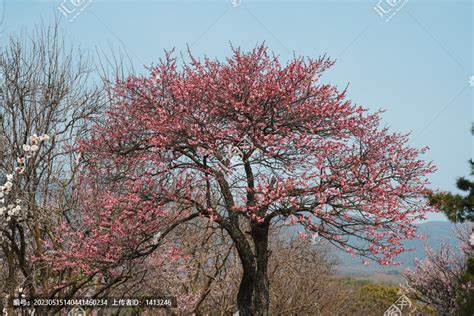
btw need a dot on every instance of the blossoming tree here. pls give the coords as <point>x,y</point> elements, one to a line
<point>440,278</point>
<point>245,143</point>
<point>47,100</point>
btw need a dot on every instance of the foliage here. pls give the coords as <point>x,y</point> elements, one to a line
<point>243,143</point>
<point>374,297</point>
<point>457,207</point>
<point>47,99</point>
<point>460,208</point>
<point>438,279</point>
<point>466,297</point>
<point>188,175</point>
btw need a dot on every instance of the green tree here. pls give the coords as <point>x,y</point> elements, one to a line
<point>375,299</point>
<point>459,208</point>
<point>466,299</point>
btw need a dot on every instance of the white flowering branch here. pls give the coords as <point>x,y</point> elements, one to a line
<point>14,210</point>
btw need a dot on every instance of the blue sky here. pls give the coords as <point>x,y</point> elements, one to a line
<point>416,66</point>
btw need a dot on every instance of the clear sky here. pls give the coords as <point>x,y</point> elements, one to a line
<point>416,66</point>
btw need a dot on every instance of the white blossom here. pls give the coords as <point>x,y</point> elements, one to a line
<point>33,139</point>
<point>26,147</point>
<point>45,137</point>
<point>34,148</point>
<point>156,237</point>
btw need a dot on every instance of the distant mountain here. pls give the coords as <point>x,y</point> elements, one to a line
<point>436,232</point>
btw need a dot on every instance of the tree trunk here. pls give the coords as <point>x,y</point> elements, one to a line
<point>244,297</point>
<point>11,281</point>
<point>253,297</point>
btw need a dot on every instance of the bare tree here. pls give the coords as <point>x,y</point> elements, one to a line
<point>48,96</point>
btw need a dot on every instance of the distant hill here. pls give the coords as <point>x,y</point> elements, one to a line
<point>436,232</point>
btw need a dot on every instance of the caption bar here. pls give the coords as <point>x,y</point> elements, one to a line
<point>158,302</point>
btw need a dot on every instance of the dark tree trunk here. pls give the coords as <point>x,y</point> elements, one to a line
<point>261,299</point>
<point>253,297</point>
<point>244,297</point>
